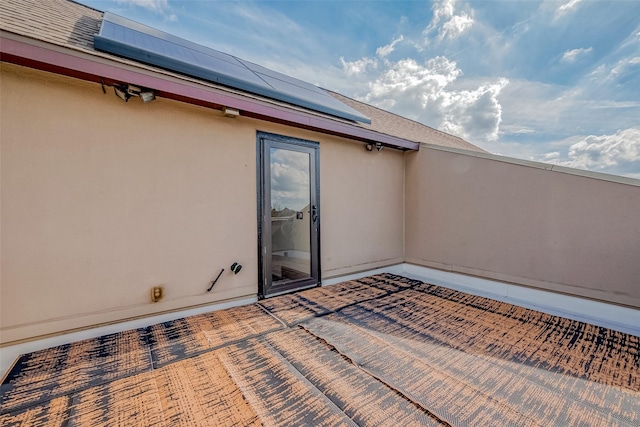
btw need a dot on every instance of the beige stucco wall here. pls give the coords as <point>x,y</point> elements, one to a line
<point>521,224</point>
<point>362,196</point>
<point>101,200</point>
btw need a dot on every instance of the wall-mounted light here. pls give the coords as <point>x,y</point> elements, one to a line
<point>369,147</point>
<point>147,96</point>
<point>125,91</point>
<point>230,112</point>
<point>121,92</point>
<point>379,146</point>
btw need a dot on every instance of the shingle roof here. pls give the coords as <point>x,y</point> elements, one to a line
<point>72,25</point>
<point>392,124</point>
<point>61,22</point>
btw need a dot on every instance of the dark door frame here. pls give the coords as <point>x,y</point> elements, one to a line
<point>264,141</point>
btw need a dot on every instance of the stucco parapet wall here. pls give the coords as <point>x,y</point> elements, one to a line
<point>538,165</point>
<point>95,66</point>
<point>524,282</point>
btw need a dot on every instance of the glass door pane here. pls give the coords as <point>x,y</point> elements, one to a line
<point>290,215</point>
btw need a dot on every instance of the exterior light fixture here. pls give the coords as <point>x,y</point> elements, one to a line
<point>369,147</point>
<point>125,91</point>
<point>379,146</point>
<point>230,112</point>
<point>147,96</point>
<point>122,92</point>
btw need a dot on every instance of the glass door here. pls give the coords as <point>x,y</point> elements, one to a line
<point>289,221</point>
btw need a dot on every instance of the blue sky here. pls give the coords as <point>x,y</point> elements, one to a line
<point>553,81</point>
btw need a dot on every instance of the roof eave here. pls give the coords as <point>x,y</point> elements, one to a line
<point>73,63</point>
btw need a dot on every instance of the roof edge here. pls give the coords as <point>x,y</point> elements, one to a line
<point>438,131</point>
<point>601,176</point>
<point>83,65</point>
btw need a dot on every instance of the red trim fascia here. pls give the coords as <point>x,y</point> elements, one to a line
<point>83,66</point>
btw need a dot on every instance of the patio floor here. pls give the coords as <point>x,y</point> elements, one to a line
<point>383,350</point>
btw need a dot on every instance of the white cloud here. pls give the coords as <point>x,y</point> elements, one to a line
<point>551,157</point>
<point>456,26</point>
<point>616,153</point>
<point>422,92</point>
<point>573,54</point>
<point>365,64</point>
<point>157,6</point>
<point>289,179</point>
<point>516,130</point>
<point>623,66</point>
<point>386,50</point>
<point>354,68</point>
<point>406,79</point>
<point>445,21</point>
<point>474,114</point>
<point>522,117</point>
<point>566,8</point>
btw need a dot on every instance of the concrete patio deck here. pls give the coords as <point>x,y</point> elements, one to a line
<point>382,350</point>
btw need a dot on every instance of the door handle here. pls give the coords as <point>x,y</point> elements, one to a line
<point>314,213</point>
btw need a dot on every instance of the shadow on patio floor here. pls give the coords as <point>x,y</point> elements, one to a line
<point>382,350</point>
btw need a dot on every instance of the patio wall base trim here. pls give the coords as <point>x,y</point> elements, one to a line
<point>623,319</point>
<point>607,315</point>
<point>10,353</point>
<point>329,276</point>
<point>607,296</point>
<point>393,268</point>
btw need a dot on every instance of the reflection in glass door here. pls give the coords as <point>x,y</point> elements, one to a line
<point>289,214</point>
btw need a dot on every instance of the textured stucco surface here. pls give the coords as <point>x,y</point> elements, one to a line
<point>101,200</point>
<point>525,225</point>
